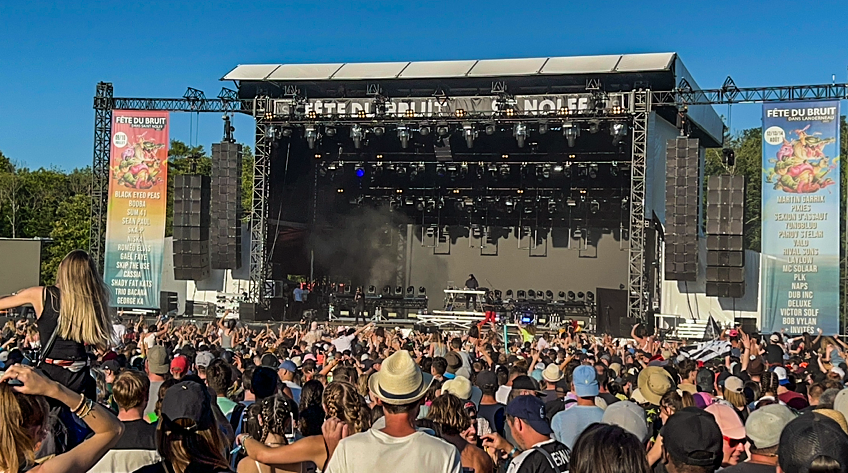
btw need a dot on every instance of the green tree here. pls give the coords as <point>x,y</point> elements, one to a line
<point>183,159</point>
<point>247,161</point>
<point>70,232</point>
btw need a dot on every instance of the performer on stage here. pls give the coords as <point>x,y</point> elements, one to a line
<point>359,301</point>
<point>471,299</point>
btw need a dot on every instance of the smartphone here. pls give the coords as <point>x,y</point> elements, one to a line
<point>290,434</point>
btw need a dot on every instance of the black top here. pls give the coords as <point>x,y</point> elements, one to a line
<point>62,349</point>
<point>472,283</point>
<point>534,461</point>
<point>138,435</point>
<point>495,414</point>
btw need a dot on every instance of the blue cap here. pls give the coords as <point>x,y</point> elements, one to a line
<point>531,410</point>
<point>288,365</point>
<point>585,381</point>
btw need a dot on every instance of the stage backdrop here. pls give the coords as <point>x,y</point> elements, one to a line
<point>135,229</point>
<point>800,219</point>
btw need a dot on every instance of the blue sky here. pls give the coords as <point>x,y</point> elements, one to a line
<point>54,53</point>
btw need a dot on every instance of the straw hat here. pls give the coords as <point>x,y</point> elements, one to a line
<point>399,381</point>
<point>459,387</point>
<point>654,382</point>
<point>552,373</point>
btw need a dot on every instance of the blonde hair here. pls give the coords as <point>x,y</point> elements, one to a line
<point>21,416</point>
<point>84,311</point>
<point>447,410</point>
<point>342,400</point>
<point>130,389</point>
<point>736,399</point>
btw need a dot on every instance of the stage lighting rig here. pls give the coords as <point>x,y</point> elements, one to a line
<point>311,134</point>
<point>504,170</point>
<point>490,129</point>
<point>357,133</point>
<point>571,131</point>
<point>470,133</point>
<point>379,131</point>
<point>424,129</point>
<point>571,296</point>
<point>594,126</point>
<point>403,136</point>
<point>519,131</point>
<point>330,131</point>
<point>442,130</point>
<point>542,128</point>
<point>618,131</point>
<point>594,206</point>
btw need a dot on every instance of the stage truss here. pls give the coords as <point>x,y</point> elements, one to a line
<point>261,108</point>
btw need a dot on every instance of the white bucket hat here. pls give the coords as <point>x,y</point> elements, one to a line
<point>552,373</point>
<point>400,381</point>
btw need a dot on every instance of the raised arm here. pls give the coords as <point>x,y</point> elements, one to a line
<point>32,295</point>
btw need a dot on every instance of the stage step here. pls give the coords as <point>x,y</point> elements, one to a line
<point>693,329</point>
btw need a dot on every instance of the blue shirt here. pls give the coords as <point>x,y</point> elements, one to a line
<point>569,424</point>
<point>298,295</point>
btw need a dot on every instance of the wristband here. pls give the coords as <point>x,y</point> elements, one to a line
<point>512,452</point>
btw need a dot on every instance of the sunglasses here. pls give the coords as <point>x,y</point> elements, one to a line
<point>733,443</point>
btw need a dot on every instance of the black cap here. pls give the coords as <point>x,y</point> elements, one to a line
<point>486,378</point>
<point>705,380</point>
<point>187,400</point>
<point>270,360</point>
<point>774,355</point>
<point>526,383</point>
<point>692,437</point>
<point>808,437</point>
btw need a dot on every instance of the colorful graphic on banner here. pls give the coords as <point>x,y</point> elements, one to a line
<point>135,226</point>
<point>800,219</point>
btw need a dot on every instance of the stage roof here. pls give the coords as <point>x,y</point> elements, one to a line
<point>451,69</point>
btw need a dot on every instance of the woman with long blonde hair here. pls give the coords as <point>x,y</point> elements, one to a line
<point>76,309</point>
<point>341,400</point>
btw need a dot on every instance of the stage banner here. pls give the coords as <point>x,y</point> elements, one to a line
<point>800,217</point>
<point>135,227</point>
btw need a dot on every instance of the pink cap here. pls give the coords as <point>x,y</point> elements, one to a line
<point>728,421</point>
<point>309,356</point>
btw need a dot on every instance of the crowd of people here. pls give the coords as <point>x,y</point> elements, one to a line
<point>82,391</point>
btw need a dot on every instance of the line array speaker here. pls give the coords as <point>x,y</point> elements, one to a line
<point>191,227</point>
<point>725,229</point>
<point>681,209</point>
<point>225,207</point>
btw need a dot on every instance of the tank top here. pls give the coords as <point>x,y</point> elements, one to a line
<point>62,349</point>
<point>226,340</point>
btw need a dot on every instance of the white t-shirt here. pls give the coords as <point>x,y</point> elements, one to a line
<point>502,394</point>
<point>343,343</point>
<point>150,340</point>
<point>119,330</point>
<point>385,454</point>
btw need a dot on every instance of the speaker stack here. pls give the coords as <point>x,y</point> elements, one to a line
<point>225,238</point>
<point>725,228</point>
<point>167,302</point>
<point>681,209</point>
<point>191,227</point>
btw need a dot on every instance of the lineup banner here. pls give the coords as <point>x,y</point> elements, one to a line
<point>135,226</point>
<point>800,217</point>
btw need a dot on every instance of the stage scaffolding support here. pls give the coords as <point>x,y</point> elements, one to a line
<point>636,267</point>
<point>103,106</point>
<point>259,259</point>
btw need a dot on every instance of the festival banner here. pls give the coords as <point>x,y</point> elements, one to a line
<point>135,227</point>
<point>800,217</point>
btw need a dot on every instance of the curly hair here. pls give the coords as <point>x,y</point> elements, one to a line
<point>448,412</point>
<point>311,411</point>
<point>342,400</point>
<point>272,415</point>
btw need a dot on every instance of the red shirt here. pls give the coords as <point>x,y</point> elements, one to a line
<point>793,400</point>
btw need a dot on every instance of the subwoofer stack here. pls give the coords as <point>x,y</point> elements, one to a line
<point>681,209</point>
<point>191,227</point>
<point>225,208</point>
<point>725,230</point>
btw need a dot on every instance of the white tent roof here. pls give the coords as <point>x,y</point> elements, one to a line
<point>445,69</point>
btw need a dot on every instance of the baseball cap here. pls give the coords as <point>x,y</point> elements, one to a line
<point>692,436</point>
<point>727,419</point>
<point>454,362</point>
<point>157,360</point>
<point>755,367</point>
<point>486,378</point>
<point>187,400</point>
<point>270,360</point>
<point>629,417</point>
<point>180,364</point>
<point>203,359</point>
<point>781,375</point>
<point>774,355</point>
<point>735,385</point>
<point>531,410</point>
<point>111,365</point>
<point>525,383</point>
<point>705,380</point>
<point>774,338</point>
<point>765,424</point>
<point>585,381</point>
<point>809,437</point>
<point>288,365</point>
<point>838,370</point>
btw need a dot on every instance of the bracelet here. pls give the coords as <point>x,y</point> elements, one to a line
<point>512,452</point>
<point>79,406</point>
<point>89,406</point>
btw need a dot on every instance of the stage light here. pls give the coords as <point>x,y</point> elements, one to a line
<point>561,294</point>
<point>440,170</point>
<point>504,156</point>
<point>571,132</point>
<point>543,128</point>
<point>269,116</point>
<point>379,156</point>
<point>594,206</point>
<point>340,190</point>
<point>498,294</point>
<point>593,171</point>
<point>469,133</point>
<point>571,202</point>
<point>287,132</point>
<point>388,290</point>
<point>361,114</point>
<point>403,136</point>
<point>409,113</point>
<point>509,112</point>
<point>330,131</point>
<point>581,296</point>
<point>563,111</point>
<point>424,129</point>
<point>509,293</point>
<point>372,290</point>
<point>577,234</point>
<point>492,168</point>
<point>460,113</point>
<point>410,290</point>
<point>521,294</point>
<point>552,205</point>
<point>590,296</point>
<point>520,133</point>
<point>317,155</point>
<point>571,296</point>
<point>356,134</point>
<point>594,126</point>
<point>311,134</point>
<point>422,290</point>
<point>504,170</point>
<point>379,131</point>
<point>398,290</point>
<point>546,171</point>
<point>360,170</point>
<point>558,168</point>
<point>490,129</point>
<point>463,170</point>
<point>618,132</point>
<point>442,130</point>
<point>420,205</point>
<point>540,294</point>
<point>312,115</point>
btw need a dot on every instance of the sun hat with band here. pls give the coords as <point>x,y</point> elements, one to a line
<point>459,387</point>
<point>552,373</point>
<point>654,382</point>
<point>400,381</point>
